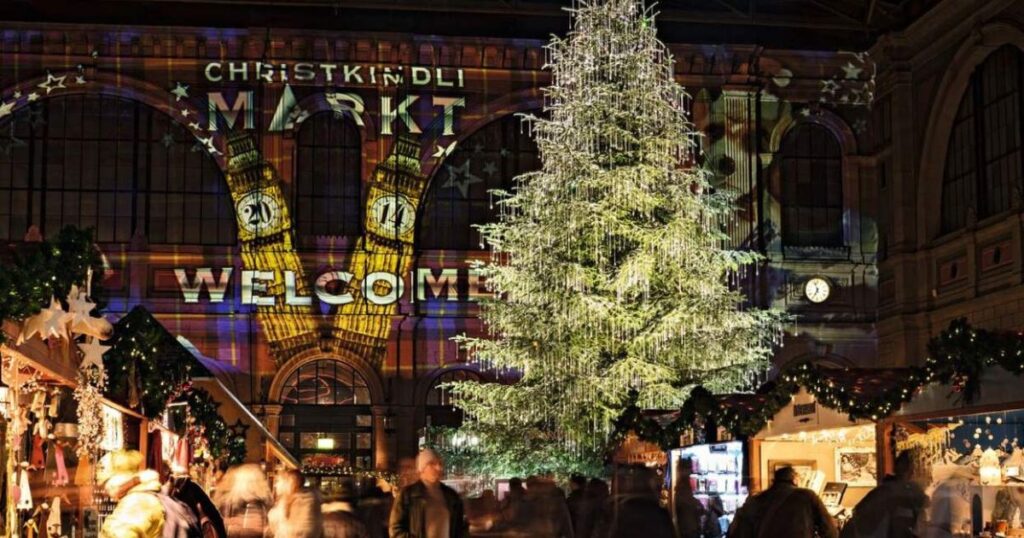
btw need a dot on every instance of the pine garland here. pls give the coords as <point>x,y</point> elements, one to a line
<point>34,272</point>
<point>957,356</point>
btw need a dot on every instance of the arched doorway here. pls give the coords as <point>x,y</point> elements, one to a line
<point>326,418</point>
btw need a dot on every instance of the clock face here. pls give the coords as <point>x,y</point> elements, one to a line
<point>392,215</point>
<point>257,212</point>
<point>817,289</point>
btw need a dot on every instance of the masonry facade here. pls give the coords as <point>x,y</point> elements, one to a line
<point>949,175</point>
<point>299,205</point>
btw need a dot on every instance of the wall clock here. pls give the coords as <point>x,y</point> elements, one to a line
<point>817,289</point>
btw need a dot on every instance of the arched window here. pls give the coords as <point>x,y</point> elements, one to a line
<point>458,197</point>
<point>111,164</point>
<point>440,408</point>
<point>812,187</point>
<point>438,395</point>
<point>327,195</point>
<point>983,163</point>
<point>325,382</point>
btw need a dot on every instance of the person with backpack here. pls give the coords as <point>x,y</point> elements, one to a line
<point>894,509</point>
<point>143,510</point>
<point>181,487</point>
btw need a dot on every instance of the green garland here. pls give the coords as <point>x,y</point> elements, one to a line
<point>36,271</point>
<point>204,420</point>
<point>148,366</point>
<point>957,356</point>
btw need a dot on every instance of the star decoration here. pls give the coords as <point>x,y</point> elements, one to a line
<point>444,151</point>
<point>851,70</point>
<point>829,86</point>
<point>11,142</point>
<point>6,108</point>
<point>92,354</point>
<point>463,184</point>
<point>185,112</point>
<point>167,140</point>
<point>490,168</point>
<point>238,429</point>
<point>79,307</point>
<point>55,322</point>
<point>52,83</point>
<point>504,153</point>
<point>860,125</point>
<point>805,112</point>
<point>17,94</point>
<point>195,126</point>
<point>208,145</point>
<point>33,97</point>
<point>79,79</point>
<point>478,147</point>
<point>180,91</point>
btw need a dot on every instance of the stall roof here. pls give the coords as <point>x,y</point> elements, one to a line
<point>1000,389</point>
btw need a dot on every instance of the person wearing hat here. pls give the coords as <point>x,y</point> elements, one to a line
<point>139,513</point>
<point>428,508</point>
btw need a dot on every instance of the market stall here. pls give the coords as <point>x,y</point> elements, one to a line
<point>826,449</point>
<point>968,457</point>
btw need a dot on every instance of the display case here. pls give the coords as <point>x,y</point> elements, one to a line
<point>717,471</point>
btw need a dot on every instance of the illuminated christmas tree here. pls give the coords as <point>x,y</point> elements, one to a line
<point>608,266</point>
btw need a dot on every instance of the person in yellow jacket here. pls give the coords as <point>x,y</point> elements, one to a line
<point>139,512</point>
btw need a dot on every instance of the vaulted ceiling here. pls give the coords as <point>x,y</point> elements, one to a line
<point>802,24</point>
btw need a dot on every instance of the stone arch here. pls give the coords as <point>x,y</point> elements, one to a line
<point>121,86</point>
<point>427,382</point>
<point>522,101</point>
<point>363,368</point>
<point>974,50</point>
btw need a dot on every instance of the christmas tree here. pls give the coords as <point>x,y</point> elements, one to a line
<point>611,282</point>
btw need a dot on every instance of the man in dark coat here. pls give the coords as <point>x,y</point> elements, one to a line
<point>633,509</point>
<point>428,508</point>
<point>784,510</point>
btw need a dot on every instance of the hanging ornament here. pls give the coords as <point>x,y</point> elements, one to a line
<point>24,491</point>
<point>92,354</point>
<point>56,322</point>
<point>80,307</point>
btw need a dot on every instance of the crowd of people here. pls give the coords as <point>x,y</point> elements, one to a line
<point>244,505</point>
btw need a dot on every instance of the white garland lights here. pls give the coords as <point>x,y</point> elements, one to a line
<point>608,268</point>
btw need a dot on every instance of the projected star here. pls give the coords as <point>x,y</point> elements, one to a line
<point>851,70</point>
<point>17,94</point>
<point>180,91</point>
<point>444,151</point>
<point>208,144</point>
<point>185,112</point>
<point>52,83</point>
<point>454,181</point>
<point>79,79</point>
<point>829,86</point>
<point>504,153</point>
<point>195,126</point>
<point>490,168</point>
<point>33,97</point>
<point>6,108</point>
<point>167,140</point>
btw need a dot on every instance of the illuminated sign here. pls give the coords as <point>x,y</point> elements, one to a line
<point>330,287</point>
